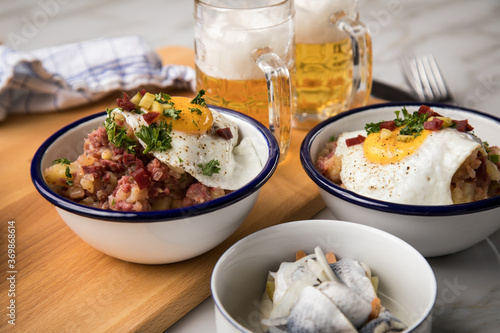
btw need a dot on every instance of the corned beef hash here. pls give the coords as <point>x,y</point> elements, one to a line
<point>419,159</point>
<point>156,152</point>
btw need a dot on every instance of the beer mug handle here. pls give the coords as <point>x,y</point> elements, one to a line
<point>279,90</point>
<point>362,58</point>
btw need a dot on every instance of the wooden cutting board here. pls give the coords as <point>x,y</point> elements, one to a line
<point>64,285</point>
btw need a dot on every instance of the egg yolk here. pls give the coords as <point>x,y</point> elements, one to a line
<point>193,118</point>
<point>390,149</point>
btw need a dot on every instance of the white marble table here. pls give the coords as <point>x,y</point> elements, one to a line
<point>463,35</point>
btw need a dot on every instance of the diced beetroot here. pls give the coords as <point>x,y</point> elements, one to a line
<point>355,141</point>
<point>141,178</point>
<point>462,125</point>
<point>225,133</point>
<point>150,117</point>
<point>434,124</point>
<point>390,125</point>
<point>125,103</point>
<point>424,109</point>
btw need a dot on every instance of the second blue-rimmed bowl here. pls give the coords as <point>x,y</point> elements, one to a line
<point>156,237</point>
<point>432,230</point>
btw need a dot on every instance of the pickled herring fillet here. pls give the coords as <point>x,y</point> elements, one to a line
<point>354,276</point>
<point>316,313</point>
<point>356,309</point>
<point>385,323</point>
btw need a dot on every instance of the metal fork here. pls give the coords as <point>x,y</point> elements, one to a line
<point>425,79</point>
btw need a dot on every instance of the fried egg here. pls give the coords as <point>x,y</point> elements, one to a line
<point>195,143</point>
<point>417,172</point>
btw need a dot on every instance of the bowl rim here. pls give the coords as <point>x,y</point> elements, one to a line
<point>160,215</point>
<point>258,233</point>
<point>384,206</point>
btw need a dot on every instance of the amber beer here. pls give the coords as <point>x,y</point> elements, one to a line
<point>247,96</point>
<point>244,56</point>
<point>323,78</point>
<point>324,60</point>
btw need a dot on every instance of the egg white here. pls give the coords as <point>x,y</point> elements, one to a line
<point>239,163</point>
<point>422,178</point>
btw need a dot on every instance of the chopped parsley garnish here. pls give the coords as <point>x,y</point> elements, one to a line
<point>68,175</point>
<point>156,136</point>
<point>412,124</point>
<point>163,98</point>
<point>173,113</point>
<point>332,138</point>
<point>494,158</point>
<point>199,98</point>
<point>61,161</point>
<point>210,168</point>
<point>195,110</point>
<point>118,135</point>
<point>181,160</point>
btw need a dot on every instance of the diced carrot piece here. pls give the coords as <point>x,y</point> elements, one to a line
<point>331,258</point>
<point>299,255</point>
<point>376,306</point>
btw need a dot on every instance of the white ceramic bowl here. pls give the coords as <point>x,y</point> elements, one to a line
<point>239,277</point>
<point>155,237</point>
<point>432,230</point>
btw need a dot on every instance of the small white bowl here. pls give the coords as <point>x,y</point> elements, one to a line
<point>432,230</point>
<point>156,237</point>
<point>407,283</point>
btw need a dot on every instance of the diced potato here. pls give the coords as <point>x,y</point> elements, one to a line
<point>492,170</point>
<point>85,160</point>
<point>447,122</point>
<point>156,107</point>
<point>385,134</point>
<point>106,154</point>
<point>137,98</point>
<point>87,183</point>
<point>404,138</point>
<point>146,101</point>
<point>56,174</point>
<point>166,106</point>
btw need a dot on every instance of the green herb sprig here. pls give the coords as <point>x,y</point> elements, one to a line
<point>199,98</point>
<point>156,136</point>
<point>210,168</point>
<point>412,124</point>
<point>117,135</point>
<point>172,113</point>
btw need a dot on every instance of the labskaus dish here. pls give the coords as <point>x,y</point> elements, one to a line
<point>419,158</point>
<point>153,235</point>
<point>436,188</point>
<point>156,152</point>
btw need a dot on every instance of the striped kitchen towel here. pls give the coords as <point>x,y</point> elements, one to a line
<point>61,77</point>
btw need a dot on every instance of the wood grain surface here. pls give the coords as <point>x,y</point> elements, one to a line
<point>64,285</point>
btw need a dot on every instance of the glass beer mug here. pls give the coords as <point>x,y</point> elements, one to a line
<point>244,54</point>
<point>333,60</point>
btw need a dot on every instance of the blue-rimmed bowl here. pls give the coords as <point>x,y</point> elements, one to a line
<point>155,237</point>
<point>432,230</point>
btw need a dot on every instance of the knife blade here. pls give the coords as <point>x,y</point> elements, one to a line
<point>390,93</point>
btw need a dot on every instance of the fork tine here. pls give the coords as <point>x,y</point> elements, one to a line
<point>411,75</point>
<point>431,77</point>
<point>423,73</point>
<point>440,84</point>
<point>424,77</point>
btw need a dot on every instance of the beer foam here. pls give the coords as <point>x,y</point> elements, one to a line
<point>224,49</point>
<point>312,20</point>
